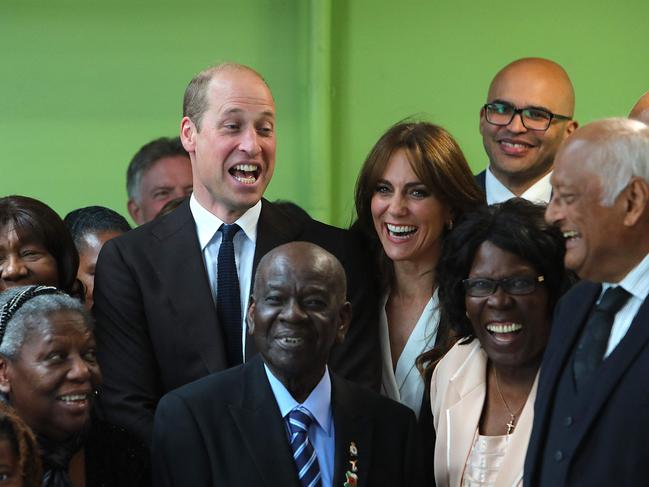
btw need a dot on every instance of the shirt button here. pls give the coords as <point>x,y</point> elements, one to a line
<point>567,421</point>
<point>558,455</point>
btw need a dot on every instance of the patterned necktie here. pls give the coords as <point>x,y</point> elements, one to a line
<point>594,337</point>
<point>228,298</point>
<point>299,420</point>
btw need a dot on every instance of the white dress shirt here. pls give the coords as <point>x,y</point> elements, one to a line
<point>209,238</point>
<point>497,192</point>
<point>404,383</point>
<point>636,283</point>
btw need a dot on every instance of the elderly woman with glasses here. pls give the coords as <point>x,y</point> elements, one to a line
<point>500,275</point>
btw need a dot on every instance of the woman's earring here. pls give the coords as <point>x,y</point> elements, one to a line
<point>449,225</point>
<point>466,313</point>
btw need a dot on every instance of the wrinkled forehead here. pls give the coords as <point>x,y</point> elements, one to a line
<point>66,323</point>
<point>240,89</point>
<point>572,163</point>
<point>297,270</point>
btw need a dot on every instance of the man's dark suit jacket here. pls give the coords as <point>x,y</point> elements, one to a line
<point>481,180</point>
<point>226,429</point>
<point>612,434</point>
<point>157,327</point>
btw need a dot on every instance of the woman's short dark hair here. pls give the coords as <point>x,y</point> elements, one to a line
<point>436,159</point>
<point>516,226</point>
<point>93,219</point>
<point>34,219</point>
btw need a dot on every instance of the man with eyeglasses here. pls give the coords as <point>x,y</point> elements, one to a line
<point>528,114</point>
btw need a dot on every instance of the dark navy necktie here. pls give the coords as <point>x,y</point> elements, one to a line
<point>306,461</point>
<point>594,337</point>
<point>228,298</point>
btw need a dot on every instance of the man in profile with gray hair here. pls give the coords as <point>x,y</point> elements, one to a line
<point>158,173</point>
<point>590,423</point>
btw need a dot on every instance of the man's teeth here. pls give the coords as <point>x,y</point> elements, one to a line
<point>291,340</point>
<point>570,234</point>
<point>400,230</point>
<point>246,167</point>
<point>502,328</point>
<point>245,180</point>
<point>515,145</point>
<point>73,397</point>
<point>245,173</point>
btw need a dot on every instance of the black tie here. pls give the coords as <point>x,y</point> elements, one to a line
<point>594,337</point>
<point>228,298</point>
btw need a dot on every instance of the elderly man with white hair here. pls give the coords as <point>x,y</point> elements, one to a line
<point>591,418</point>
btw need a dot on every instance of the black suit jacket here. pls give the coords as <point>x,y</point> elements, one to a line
<point>612,434</point>
<point>157,327</point>
<point>481,180</point>
<point>226,429</point>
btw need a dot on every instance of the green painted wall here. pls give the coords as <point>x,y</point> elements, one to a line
<point>84,83</point>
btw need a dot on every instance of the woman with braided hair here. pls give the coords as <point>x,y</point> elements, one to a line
<point>50,375</point>
<point>20,465</point>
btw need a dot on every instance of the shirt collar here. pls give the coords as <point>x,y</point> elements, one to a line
<point>497,192</point>
<point>207,224</point>
<point>318,403</point>
<point>636,282</point>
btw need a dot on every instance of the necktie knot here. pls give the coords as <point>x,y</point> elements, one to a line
<point>229,231</point>
<point>299,420</point>
<point>613,300</point>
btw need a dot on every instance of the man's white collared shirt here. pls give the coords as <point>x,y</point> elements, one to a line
<point>636,283</point>
<point>209,238</point>
<point>497,192</point>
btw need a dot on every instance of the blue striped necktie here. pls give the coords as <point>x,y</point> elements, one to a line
<point>308,469</point>
<point>228,298</point>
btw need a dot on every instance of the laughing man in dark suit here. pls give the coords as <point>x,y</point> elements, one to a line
<point>591,414</point>
<point>244,426</point>
<point>164,315</point>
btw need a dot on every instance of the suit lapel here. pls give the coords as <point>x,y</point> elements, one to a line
<point>462,418</point>
<point>612,370</point>
<point>562,341</point>
<point>262,428</point>
<point>186,286</point>
<point>273,229</point>
<point>351,426</point>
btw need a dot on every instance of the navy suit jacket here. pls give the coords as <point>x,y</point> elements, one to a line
<point>611,435</point>
<point>226,429</point>
<point>481,179</point>
<point>157,327</point>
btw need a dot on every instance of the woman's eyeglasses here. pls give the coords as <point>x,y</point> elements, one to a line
<point>481,287</point>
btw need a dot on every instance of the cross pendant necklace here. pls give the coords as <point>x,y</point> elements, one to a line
<point>512,416</point>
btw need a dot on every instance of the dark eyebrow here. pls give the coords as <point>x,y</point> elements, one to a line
<point>407,185</point>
